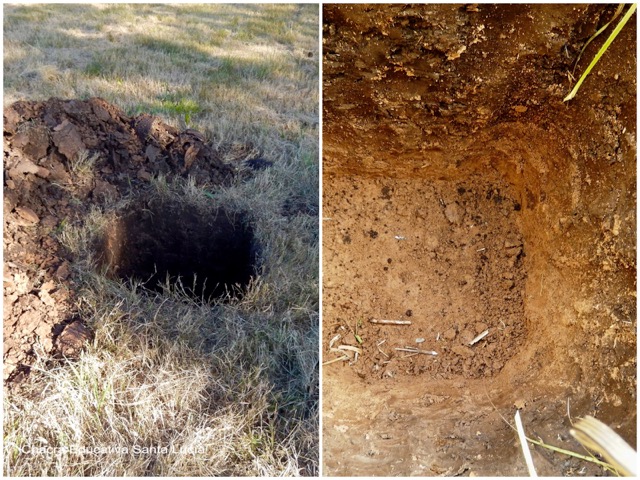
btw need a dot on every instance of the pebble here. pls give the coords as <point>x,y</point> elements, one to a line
<point>453,213</point>
<point>420,340</point>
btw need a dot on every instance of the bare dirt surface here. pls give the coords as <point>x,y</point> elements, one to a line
<point>470,276</point>
<point>463,196</point>
<point>61,157</point>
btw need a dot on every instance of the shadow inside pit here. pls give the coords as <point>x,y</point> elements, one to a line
<point>211,254</point>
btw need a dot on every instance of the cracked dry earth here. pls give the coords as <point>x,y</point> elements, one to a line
<point>61,157</point>
<point>462,196</point>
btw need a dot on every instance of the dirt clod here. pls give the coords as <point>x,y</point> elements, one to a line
<point>72,339</point>
<point>27,214</point>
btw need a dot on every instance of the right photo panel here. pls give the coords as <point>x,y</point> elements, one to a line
<point>479,240</point>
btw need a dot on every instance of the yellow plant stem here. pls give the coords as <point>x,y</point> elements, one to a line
<point>603,49</point>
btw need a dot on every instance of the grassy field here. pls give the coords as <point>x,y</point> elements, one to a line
<point>229,388</point>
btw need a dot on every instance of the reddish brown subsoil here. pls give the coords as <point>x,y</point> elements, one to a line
<point>451,264</point>
<point>46,185</point>
<point>463,196</point>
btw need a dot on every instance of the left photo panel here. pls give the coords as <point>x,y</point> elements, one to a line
<point>161,245</point>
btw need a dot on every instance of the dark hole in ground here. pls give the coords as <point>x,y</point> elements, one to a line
<point>209,252</point>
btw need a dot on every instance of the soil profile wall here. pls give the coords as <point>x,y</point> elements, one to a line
<point>445,142</point>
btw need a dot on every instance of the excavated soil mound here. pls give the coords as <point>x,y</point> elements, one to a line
<point>61,157</point>
<point>489,222</point>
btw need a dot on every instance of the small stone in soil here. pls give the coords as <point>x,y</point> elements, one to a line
<point>453,213</point>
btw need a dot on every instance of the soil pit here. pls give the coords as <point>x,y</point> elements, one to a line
<point>461,194</point>
<point>209,252</point>
<point>446,257</point>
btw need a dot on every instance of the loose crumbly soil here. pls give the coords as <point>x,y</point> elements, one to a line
<point>61,158</point>
<point>463,196</point>
<point>451,264</point>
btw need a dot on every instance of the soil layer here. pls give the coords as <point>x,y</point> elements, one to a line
<point>451,265</point>
<point>62,158</point>
<point>462,196</point>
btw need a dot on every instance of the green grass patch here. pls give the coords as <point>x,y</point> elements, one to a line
<point>96,68</point>
<point>124,12</point>
<point>176,105</point>
<point>107,64</point>
<point>180,53</point>
<point>227,70</point>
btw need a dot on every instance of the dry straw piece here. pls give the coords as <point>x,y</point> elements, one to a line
<point>597,436</point>
<point>390,322</point>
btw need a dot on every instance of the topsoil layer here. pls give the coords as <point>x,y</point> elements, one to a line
<point>60,158</point>
<point>463,198</point>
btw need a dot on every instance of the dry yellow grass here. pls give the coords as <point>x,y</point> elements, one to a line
<point>171,386</point>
